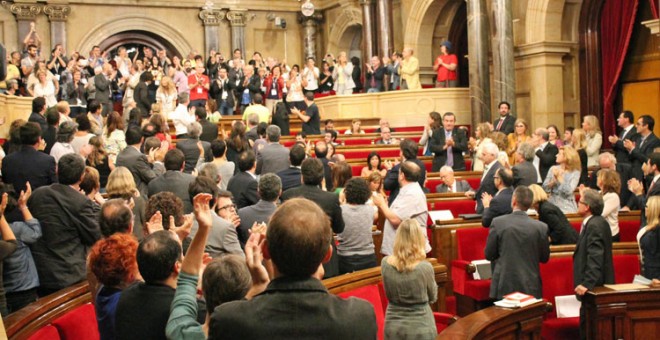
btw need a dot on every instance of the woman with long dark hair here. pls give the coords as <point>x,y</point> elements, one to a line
<point>374,164</point>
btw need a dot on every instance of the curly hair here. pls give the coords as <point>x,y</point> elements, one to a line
<point>357,191</point>
<point>113,259</point>
<point>168,204</point>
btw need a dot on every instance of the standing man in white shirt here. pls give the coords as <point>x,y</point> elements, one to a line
<point>311,73</point>
<point>182,116</point>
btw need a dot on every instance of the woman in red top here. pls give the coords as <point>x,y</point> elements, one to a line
<point>274,84</point>
<point>446,65</point>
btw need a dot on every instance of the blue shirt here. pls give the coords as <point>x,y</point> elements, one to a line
<point>20,272</point>
<point>106,306</point>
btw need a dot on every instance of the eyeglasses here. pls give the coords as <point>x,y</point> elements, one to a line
<point>582,202</point>
<point>228,206</point>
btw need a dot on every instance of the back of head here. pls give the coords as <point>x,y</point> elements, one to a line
<point>506,176</point>
<point>30,133</point>
<point>94,105</point>
<point>539,194</point>
<point>133,135</point>
<point>297,155</point>
<point>246,160</point>
<point>194,130</point>
<point>66,131</point>
<point>38,104</point>
<point>321,149</point>
<point>409,149</point>
<point>411,171</point>
<point>183,98</point>
<point>270,186</point>
<point>70,169</point>
<point>151,143</point>
<point>115,217</point>
<point>203,185</point>
<point>261,129</point>
<point>218,148</point>
<point>258,99</point>
<point>543,133</point>
<point>273,133</point>
<point>200,113</point>
<point>210,170</point>
<point>312,171</point>
<point>341,173</point>
<point>83,123</point>
<point>168,204</point>
<point>225,279</point>
<point>593,200</point>
<point>526,150</point>
<point>357,191</point>
<point>309,96</point>
<point>157,255</point>
<point>52,117</point>
<point>524,197</point>
<point>113,260</point>
<point>409,245</point>
<point>253,119</point>
<point>91,180</point>
<point>174,160</point>
<point>298,237</point>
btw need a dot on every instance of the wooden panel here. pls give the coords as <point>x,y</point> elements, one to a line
<point>642,98</point>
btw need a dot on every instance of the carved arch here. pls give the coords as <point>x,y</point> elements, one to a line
<point>349,17</point>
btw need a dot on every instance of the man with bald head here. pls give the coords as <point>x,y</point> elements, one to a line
<point>410,71</point>
<point>102,82</point>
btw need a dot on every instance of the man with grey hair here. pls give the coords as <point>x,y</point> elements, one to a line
<point>546,153</point>
<point>489,153</point>
<point>592,260</point>
<point>450,183</point>
<point>274,157</point>
<point>182,116</point>
<point>270,189</point>
<point>251,124</point>
<point>190,147</point>
<point>524,172</point>
<point>608,160</point>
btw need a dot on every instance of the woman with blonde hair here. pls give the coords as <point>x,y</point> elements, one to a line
<point>609,182</point>
<point>560,230</point>
<point>648,239</point>
<point>579,143</point>
<point>519,135</point>
<point>591,128</point>
<point>500,139</point>
<point>434,123</point>
<point>563,178</point>
<point>355,128</point>
<point>166,95</point>
<point>122,185</point>
<point>409,285</point>
<point>343,75</point>
<point>482,134</point>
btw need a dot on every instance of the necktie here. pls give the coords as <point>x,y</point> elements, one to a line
<point>450,154</point>
<point>651,188</point>
<point>499,125</point>
<point>623,133</point>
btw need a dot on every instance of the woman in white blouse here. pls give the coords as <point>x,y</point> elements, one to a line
<point>166,96</point>
<point>434,123</point>
<point>482,134</point>
<point>609,183</point>
<point>343,75</point>
<point>591,127</point>
<point>45,88</point>
<point>113,136</point>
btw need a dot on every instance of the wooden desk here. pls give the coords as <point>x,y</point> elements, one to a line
<point>499,323</point>
<point>630,314</point>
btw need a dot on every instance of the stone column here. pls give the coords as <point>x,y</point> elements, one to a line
<point>478,58</point>
<point>211,20</point>
<point>237,20</point>
<point>503,62</point>
<point>57,15</point>
<point>384,24</point>
<point>367,29</point>
<point>25,14</point>
<point>310,25</point>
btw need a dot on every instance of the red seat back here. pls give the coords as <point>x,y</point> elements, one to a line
<point>577,225</point>
<point>360,141</point>
<point>628,230</point>
<point>457,206</point>
<point>557,280</point>
<point>432,183</point>
<point>474,182</point>
<point>471,243</point>
<point>372,294</point>
<point>625,268</point>
<point>78,324</point>
<point>47,332</point>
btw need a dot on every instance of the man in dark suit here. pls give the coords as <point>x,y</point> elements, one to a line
<point>408,152</point>
<point>643,146</point>
<point>141,93</point>
<point>628,132</point>
<point>546,153</point>
<point>642,190</point>
<point>102,84</point>
<point>375,75</point>
<point>506,123</point>
<point>70,226</point>
<point>249,86</point>
<point>320,151</point>
<point>295,301</point>
<point>274,157</point>
<point>500,203</point>
<point>607,160</point>
<point>251,125</point>
<point>524,172</point>
<point>515,246</point>
<point>209,130</point>
<point>243,185</point>
<point>190,147</point>
<point>291,177</point>
<point>28,164</point>
<point>222,90</point>
<point>592,259</point>
<point>174,179</point>
<point>450,183</point>
<point>270,189</point>
<point>38,113</point>
<point>312,175</point>
<point>489,154</point>
<point>140,165</point>
<point>448,145</point>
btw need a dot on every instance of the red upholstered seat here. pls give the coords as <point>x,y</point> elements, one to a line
<point>560,329</point>
<point>372,294</point>
<point>78,324</point>
<point>557,279</point>
<point>361,141</point>
<point>577,225</point>
<point>457,207</point>
<point>470,246</point>
<point>628,230</point>
<point>356,170</point>
<point>432,183</point>
<point>625,268</point>
<point>428,165</point>
<point>468,165</point>
<point>410,129</point>
<point>288,143</point>
<point>442,320</point>
<point>47,332</point>
<point>474,182</point>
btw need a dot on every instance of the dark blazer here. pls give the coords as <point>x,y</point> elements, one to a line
<point>592,259</point>
<point>272,158</point>
<point>209,131</point>
<point>39,119</point>
<point>28,165</point>
<point>508,126</point>
<point>461,186</point>
<point>559,229</point>
<point>515,246</point>
<point>252,134</point>
<point>176,182</point>
<point>621,153</point>
<point>328,201</point>
<point>244,188</point>
<point>290,177</point>
<point>141,97</point>
<point>191,151</point>
<point>260,212</point>
<point>548,158</point>
<point>437,142</point>
<point>639,155</point>
<point>393,72</point>
<point>74,93</point>
<point>327,173</point>
<point>391,181</point>
<point>70,226</point>
<point>139,166</point>
<point>102,85</point>
<point>524,174</point>
<point>281,118</point>
<point>487,185</point>
<point>500,205</point>
<point>294,308</point>
<point>584,167</point>
<point>253,86</point>
<point>216,91</point>
<point>378,75</point>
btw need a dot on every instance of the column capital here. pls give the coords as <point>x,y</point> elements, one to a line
<point>22,11</point>
<point>315,18</point>
<point>57,12</point>
<point>212,17</point>
<point>366,2</point>
<point>239,17</point>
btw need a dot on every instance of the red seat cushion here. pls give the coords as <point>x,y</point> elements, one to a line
<point>474,182</point>
<point>410,129</point>
<point>470,246</point>
<point>478,289</point>
<point>625,268</point>
<point>628,230</point>
<point>560,329</point>
<point>442,320</point>
<point>361,141</point>
<point>47,332</point>
<point>471,243</point>
<point>457,207</point>
<point>372,295</point>
<point>468,165</point>
<point>432,183</point>
<point>78,324</point>
<point>557,280</point>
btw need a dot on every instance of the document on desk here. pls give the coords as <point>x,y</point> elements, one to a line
<point>568,306</point>
<point>441,215</point>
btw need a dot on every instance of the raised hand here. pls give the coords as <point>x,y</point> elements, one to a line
<point>202,210</point>
<point>25,195</point>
